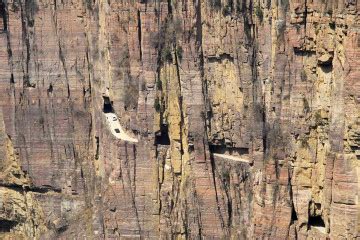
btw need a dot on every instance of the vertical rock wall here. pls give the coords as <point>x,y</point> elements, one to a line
<point>273,84</point>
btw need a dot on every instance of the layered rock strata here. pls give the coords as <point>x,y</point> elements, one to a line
<point>274,83</point>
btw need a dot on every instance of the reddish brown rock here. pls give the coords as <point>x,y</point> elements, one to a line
<point>274,84</point>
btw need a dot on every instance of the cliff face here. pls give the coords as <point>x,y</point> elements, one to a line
<point>247,115</point>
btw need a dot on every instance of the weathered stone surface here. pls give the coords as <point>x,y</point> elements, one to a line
<point>272,82</point>
<point>21,216</point>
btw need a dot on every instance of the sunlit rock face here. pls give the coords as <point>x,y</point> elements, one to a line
<point>246,116</point>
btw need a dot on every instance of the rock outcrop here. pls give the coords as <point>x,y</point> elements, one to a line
<point>21,216</point>
<point>200,84</point>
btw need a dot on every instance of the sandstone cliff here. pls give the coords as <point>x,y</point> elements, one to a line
<point>246,113</point>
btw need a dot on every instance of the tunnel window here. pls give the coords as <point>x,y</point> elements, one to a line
<point>316,221</point>
<point>356,150</point>
<point>217,148</point>
<point>107,105</point>
<point>7,225</point>
<point>191,147</point>
<point>222,149</point>
<point>162,137</point>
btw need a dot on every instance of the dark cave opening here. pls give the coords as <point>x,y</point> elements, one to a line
<point>316,221</point>
<point>222,149</point>
<point>50,89</point>
<point>62,229</point>
<point>217,148</point>
<point>162,137</point>
<point>108,108</point>
<point>293,215</point>
<point>327,67</point>
<point>7,225</point>
<point>356,150</point>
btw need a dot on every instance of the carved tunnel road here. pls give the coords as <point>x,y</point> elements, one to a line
<point>116,129</point>
<point>232,158</point>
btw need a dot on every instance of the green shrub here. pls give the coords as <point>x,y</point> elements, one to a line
<point>305,142</point>
<point>179,53</point>
<point>227,10</point>
<point>166,39</point>
<point>259,13</point>
<point>31,7</point>
<point>157,105</point>
<point>285,3</point>
<point>166,55</point>
<point>216,4</point>
<point>225,175</point>
<point>159,84</point>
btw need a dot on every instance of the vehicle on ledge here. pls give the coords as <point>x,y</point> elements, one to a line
<point>114,125</point>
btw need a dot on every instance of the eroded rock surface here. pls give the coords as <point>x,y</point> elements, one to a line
<point>272,82</point>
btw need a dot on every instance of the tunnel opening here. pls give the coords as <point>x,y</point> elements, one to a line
<point>326,65</point>
<point>108,108</point>
<point>222,149</point>
<point>356,151</point>
<point>62,229</point>
<point>294,216</point>
<point>50,89</point>
<point>7,225</point>
<point>316,221</point>
<point>162,136</point>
